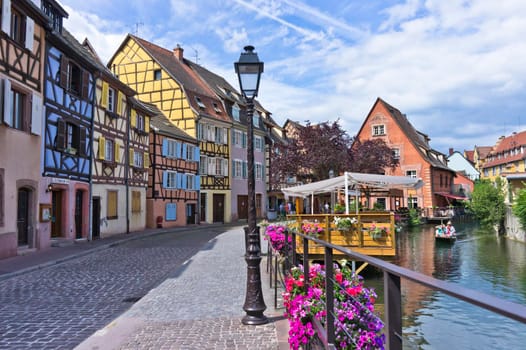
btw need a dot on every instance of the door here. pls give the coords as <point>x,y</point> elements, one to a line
<point>258,205</point>
<point>219,208</point>
<point>23,216</point>
<point>56,214</point>
<point>190,214</point>
<point>78,214</point>
<point>242,207</point>
<point>95,230</point>
<point>203,207</point>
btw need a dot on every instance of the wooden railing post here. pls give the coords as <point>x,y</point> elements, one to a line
<point>393,311</point>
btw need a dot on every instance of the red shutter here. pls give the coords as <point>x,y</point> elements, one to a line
<point>85,84</point>
<point>64,72</point>
<point>60,140</point>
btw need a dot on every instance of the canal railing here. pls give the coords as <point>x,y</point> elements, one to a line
<point>392,276</point>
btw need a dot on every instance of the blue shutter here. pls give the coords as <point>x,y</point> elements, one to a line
<point>165,147</point>
<point>177,150</point>
<point>183,154</point>
<point>197,183</point>
<point>183,182</point>
<point>165,179</point>
<point>197,154</point>
<point>171,211</point>
<point>178,180</point>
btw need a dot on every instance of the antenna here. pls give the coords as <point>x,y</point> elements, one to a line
<point>196,56</point>
<point>137,24</point>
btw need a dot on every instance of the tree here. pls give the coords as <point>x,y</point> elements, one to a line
<point>519,207</point>
<point>487,202</point>
<point>371,156</point>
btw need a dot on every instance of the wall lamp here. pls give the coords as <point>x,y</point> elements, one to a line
<point>49,188</point>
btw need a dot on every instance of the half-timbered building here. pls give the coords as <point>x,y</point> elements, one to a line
<point>67,150</point>
<point>22,42</point>
<point>174,183</point>
<point>235,107</point>
<point>164,78</point>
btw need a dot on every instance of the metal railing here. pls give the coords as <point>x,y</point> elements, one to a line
<point>392,275</point>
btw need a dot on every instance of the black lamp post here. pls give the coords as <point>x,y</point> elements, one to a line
<point>248,70</point>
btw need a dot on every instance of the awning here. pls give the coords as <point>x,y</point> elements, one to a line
<point>452,196</point>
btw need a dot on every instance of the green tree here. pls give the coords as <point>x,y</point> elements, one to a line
<point>487,202</point>
<point>519,207</point>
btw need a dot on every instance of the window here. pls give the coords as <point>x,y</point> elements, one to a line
<point>190,182</point>
<point>396,153</point>
<point>221,167</point>
<point>18,26</point>
<point>170,179</point>
<point>378,130</point>
<point>255,119</point>
<point>411,173</point>
<point>136,201</point>
<point>73,79</point>
<point>235,112</point>
<point>200,131</point>
<point>258,143</point>
<point>200,103</point>
<point>111,211</point>
<point>111,99</point>
<point>216,107</point>
<point>71,138</point>
<point>138,159</point>
<point>171,148</point>
<point>237,138</point>
<point>157,74</point>
<point>258,169</point>
<point>412,202</point>
<point>203,165</point>
<point>190,152</point>
<point>19,110</point>
<point>238,168</point>
<point>380,203</point>
<point>109,150</point>
<point>221,135</point>
<point>54,16</point>
<point>140,122</point>
<point>170,212</point>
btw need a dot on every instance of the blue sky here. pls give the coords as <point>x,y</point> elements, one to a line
<point>456,68</point>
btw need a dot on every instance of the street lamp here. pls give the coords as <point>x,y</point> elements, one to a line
<point>248,70</point>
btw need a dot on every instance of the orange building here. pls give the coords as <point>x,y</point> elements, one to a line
<point>417,158</point>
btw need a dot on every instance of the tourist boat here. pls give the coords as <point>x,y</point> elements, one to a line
<point>442,238</point>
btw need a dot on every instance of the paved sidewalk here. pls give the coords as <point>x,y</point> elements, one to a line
<point>199,306</point>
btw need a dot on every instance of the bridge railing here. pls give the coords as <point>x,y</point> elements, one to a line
<point>392,275</point>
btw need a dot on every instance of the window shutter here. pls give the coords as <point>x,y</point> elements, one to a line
<point>165,148</point>
<point>60,141</point>
<point>104,97</point>
<point>119,103</point>
<point>63,72</point>
<point>8,112</point>
<point>6,16</point>
<point>82,141</point>
<point>196,154</point>
<point>146,160</point>
<point>133,118</point>
<point>244,140</point>
<point>165,179</point>
<point>177,150</point>
<point>225,136</point>
<point>36,114</point>
<point>183,153</point>
<point>30,30</point>
<point>211,166</point>
<point>197,179</point>
<point>117,152</point>
<point>147,124</point>
<point>85,84</point>
<point>224,165</point>
<point>183,181</point>
<point>178,180</point>
<point>102,147</point>
<point>131,160</point>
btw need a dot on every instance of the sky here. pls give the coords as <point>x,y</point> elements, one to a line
<point>456,68</point>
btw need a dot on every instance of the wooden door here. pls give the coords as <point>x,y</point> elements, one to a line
<point>95,230</point>
<point>202,207</point>
<point>23,216</point>
<point>258,205</point>
<point>78,214</point>
<point>219,208</point>
<point>242,206</point>
<point>56,214</point>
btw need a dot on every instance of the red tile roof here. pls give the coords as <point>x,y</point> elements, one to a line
<point>508,149</point>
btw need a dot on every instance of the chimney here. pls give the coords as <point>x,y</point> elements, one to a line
<point>178,52</point>
<point>451,151</point>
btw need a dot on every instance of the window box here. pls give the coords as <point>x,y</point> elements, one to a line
<point>70,150</point>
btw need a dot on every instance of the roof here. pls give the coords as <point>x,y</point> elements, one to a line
<point>419,139</point>
<point>507,150</point>
<point>470,155</point>
<point>181,71</point>
<point>355,181</point>
<point>164,126</point>
<point>483,151</point>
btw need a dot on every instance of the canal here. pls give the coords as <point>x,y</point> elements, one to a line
<point>479,260</point>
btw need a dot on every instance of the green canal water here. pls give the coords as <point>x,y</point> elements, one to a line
<point>479,260</point>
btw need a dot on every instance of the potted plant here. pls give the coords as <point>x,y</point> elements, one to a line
<point>344,224</point>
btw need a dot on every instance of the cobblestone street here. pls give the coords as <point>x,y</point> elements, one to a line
<point>57,307</point>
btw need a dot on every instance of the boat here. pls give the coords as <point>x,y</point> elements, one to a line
<point>445,239</point>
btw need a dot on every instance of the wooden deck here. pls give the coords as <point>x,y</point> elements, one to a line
<point>360,238</point>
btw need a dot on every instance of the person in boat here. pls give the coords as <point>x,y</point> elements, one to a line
<point>440,230</point>
<point>450,229</point>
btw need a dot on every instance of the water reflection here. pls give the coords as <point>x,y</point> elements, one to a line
<point>478,260</point>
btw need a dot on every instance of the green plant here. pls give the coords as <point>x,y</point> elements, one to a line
<point>339,208</point>
<point>487,202</point>
<point>344,223</point>
<point>519,206</point>
<point>414,217</point>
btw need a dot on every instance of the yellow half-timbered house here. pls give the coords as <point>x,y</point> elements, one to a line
<point>164,78</point>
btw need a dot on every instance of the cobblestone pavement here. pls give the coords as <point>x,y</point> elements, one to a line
<point>199,306</point>
<point>59,306</point>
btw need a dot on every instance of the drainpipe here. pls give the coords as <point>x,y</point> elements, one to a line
<point>90,183</point>
<point>127,168</point>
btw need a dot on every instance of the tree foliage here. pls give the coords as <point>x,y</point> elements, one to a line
<point>487,202</point>
<point>319,148</point>
<point>519,207</point>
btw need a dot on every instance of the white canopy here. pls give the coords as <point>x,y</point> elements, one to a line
<point>356,181</point>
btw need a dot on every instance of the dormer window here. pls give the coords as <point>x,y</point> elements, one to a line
<point>200,103</point>
<point>255,119</point>
<point>216,108</point>
<point>54,15</point>
<point>235,112</point>
<point>378,130</point>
